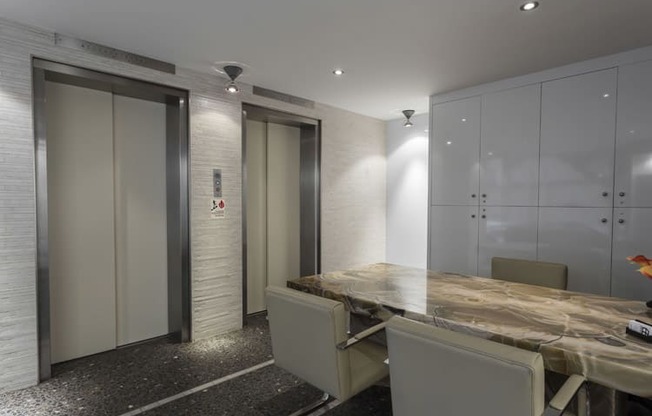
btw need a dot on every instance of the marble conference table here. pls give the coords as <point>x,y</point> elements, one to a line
<point>576,333</point>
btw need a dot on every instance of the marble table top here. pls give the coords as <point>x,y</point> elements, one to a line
<point>576,333</point>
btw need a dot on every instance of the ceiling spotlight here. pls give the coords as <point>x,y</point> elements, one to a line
<point>408,114</point>
<point>233,72</point>
<point>232,88</point>
<point>338,72</point>
<point>529,6</point>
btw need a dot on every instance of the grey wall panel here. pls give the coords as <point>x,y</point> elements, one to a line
<point>353,192</point>
<point>216,244</point>
<point>18,348</point>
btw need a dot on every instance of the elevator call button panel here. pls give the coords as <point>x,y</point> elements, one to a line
<point>217,183</point>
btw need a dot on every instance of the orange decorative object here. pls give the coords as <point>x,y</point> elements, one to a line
<point>645,263</point>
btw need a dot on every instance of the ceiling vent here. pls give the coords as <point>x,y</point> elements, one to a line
<point>112,53</point>
<point>279,96</point>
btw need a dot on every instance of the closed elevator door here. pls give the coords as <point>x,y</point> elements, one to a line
<point>140,220</point>
<point>273,208</point>
<point>107,220</point>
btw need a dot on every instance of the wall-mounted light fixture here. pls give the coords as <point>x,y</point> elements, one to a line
<point>233,72</point>
<point>408,114</point>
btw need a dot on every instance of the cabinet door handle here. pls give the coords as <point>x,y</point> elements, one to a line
<point>621,194</point>
<point>605,194</point>
<point>621,221</point>
<point>604,220</point>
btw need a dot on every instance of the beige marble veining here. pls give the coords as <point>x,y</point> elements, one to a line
<point>576,333</point>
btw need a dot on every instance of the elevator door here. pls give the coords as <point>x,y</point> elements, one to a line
<point>107,217</point>
<point>140,219</point>
<point>81,221</point>
<point>273,208</point>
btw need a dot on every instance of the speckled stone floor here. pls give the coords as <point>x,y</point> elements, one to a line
<point>120,381</point>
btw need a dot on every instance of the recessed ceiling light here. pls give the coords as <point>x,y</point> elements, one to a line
<point>463,120</point>
<point>605,95</point>
<point>338,72</point>
<point>449,142</point>
<point>529,6</point>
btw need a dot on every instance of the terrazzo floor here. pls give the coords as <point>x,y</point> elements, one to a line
<point>120,381</point>
<point>124,380</point>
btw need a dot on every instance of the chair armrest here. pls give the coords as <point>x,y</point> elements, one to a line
<point>563,397</point>
<point>361,336</point>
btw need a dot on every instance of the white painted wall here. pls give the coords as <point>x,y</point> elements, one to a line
<point>353,192</point>
<point>407,192</point>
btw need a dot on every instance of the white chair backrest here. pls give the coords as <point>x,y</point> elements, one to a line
<point>305,331</point>
<point>435,371</point>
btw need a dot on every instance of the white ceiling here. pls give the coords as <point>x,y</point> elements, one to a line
<point>395,52</point>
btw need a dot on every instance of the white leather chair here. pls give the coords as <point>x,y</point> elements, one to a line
<point>434,371</point>
<point>309,340</point>
<point>553,275</point>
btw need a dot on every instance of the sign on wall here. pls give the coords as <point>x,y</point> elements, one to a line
<point>218,208</point>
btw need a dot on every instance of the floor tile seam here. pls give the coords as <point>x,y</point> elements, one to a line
<point>325,408</point>
<point>197,389</point>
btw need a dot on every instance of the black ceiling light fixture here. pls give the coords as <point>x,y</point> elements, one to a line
<point>408,114</point>
<point>233,72</point>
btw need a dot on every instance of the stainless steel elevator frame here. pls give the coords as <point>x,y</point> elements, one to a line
<point>310,197</point>
<point>177,180</point>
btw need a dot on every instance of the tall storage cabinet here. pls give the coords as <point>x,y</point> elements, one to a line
<point>509,157</point>
<point>632,233</point>
<point>578,124</point>
<point>454,181</point>
<point>485,167</point>
<point>634,136</point>
<point>564,174</point>
<point>455,150</point>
